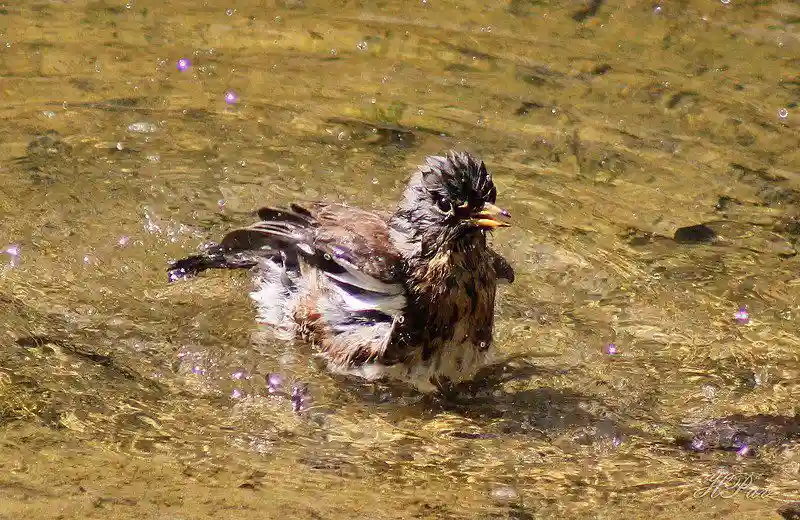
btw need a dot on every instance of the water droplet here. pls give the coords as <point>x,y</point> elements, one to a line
<point>183,64</point>
<point>231,97</point>
<point>341,136</point>
<point>504,494</point>
<point>123,241</point>
<point>333,52</point>
<point>13,250</point>
<point>708,391</point>
<point>274,382</point>
<point>362,46</point>
<point>374,180</point>
<point>142,127</point>
<point>742,316</point>
<point>698,444</point>
<point>150,225</point>
<point>783,113</point>
<point>726,2</point>
<point>299,398</point>
<point>230,12</point>
<point>743,450</point>
<point>657,9</point>
<point>120,146</point>
<point>611,349</point>
<point>237,394</point>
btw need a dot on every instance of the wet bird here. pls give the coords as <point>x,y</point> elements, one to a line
<point>407,295</point>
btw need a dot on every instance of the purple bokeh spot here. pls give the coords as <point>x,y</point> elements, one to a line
<point>176,274</point>
<point>743,450</point>
<point>13,250</point>
<point>742,316</point>
<point>300,398</point>
<point>274,382</point>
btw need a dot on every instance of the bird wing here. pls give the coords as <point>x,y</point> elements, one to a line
<point>359,269</point>
<point>504,271</point>
<point>359,240</point>
<point>348,244</point>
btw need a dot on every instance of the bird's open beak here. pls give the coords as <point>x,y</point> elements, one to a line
<point>490,217</point>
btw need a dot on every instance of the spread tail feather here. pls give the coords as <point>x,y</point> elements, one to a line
<point>215,257</point>
<point>276,237</point>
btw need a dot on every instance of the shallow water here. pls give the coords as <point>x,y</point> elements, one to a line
<point>610,129</point>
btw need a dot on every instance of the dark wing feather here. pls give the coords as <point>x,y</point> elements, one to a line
<point>360,239</point>
<point>502,267</point>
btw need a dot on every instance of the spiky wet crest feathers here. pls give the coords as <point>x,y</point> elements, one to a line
<point>408,295</point>
<point>456,180</point>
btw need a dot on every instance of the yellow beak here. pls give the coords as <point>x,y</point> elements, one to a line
<point>490,217</point>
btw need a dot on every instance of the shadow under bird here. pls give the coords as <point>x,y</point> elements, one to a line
<point>407,295</point>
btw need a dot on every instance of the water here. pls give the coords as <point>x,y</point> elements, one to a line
<point>648,153</point>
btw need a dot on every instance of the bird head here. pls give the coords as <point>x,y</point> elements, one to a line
<point>448,199</point>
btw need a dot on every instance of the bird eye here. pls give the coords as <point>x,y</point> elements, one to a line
<point>444,205</point>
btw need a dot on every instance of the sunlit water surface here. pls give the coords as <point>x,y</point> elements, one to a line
<point>611,130</point>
